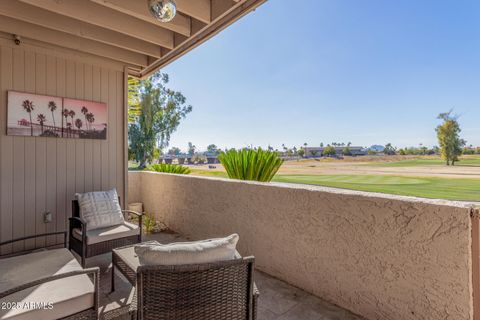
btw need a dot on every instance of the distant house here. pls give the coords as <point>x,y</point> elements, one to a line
<point>318,151</point>
<point>212,157</point>
<point>377,148</point>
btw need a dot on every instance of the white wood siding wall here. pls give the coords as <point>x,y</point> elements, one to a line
<point>43,174</point>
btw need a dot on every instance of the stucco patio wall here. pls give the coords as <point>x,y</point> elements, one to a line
<point>380,256</point>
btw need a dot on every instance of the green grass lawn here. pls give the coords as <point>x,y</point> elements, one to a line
<point>427,187</point>
<point>467,162</point>
<point>207,173</point>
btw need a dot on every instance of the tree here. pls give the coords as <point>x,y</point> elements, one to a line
<point>390,150</point>
<point>161,110</point>
<point>78,124</point>
<point>212,149</point>
<point>191,149</point>
<point>65,114</point>
<point>174,151</point>
<point>156,153</point>
<point>90,119</point>
<point>71,113</point>
<point>448,134</point>
<point>41,119</point>
<point>69,129</point>
<point>53,106</point>
<point>28,106</point>
<point>329,151</point>
<point>301,152</point>
<point>134,109</point>
<point>85,112</point>
<point>346,151</point>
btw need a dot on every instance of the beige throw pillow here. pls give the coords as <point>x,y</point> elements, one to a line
<point>179,253</point>
<point>100,209</point>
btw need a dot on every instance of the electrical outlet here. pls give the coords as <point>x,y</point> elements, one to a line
<point>47,217</point>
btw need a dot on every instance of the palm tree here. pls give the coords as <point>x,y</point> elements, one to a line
<point>78,124</point>
<point>90,119</point>
<point>41,119</point>
<point>71,113</point>
<point>28,106</point>
<point>85,111</point>
<point>52,106</point>
<point>69,128</point>
<point>65,114</point>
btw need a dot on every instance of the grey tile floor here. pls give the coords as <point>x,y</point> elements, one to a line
<point>278,300</point>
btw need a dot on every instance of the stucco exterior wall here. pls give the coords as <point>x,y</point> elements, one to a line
<point>380,256</point>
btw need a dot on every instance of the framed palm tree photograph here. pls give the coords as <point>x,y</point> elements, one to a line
<point>49,116</point>
<point>33,115</point>
<point>84,119</point>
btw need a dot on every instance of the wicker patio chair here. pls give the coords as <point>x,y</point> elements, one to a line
<point>212,291</point>
<point>52,279</point>
<point>80,243</point>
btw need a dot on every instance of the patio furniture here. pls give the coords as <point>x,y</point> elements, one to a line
<point>46,284</point>
<point>219,290</point>
<point>87,242</point>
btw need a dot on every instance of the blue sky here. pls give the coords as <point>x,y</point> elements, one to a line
<point>366,72</point>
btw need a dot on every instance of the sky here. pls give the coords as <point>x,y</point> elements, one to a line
<point>311,71</point>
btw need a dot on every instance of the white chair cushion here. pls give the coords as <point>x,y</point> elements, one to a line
<point>126,229</point>
<point>100,209</point>
<point>67,296</point>
<point>179,253</point>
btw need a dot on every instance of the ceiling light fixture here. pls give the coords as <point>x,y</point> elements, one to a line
<point>163,10</point>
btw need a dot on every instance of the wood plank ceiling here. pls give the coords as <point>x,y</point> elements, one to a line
<point>121,30</point>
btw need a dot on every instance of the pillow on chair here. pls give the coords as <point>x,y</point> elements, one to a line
<point>195,252</point>
<point>100,209</point>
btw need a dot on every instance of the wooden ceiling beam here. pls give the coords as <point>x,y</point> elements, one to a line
<point>48,19</point>
<point>219,7</point>
<point>57,38</point>
<point>139,9</point>
<point>102,16</point>
<point>198,9</point>
<point>229,17</point>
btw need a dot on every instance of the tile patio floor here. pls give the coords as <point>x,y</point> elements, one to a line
<point>278,300</point>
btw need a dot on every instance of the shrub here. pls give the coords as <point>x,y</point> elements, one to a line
<point>248,164</point>
<point>149,223</point>
<point>329,151</point>
<point>346,151</point>
<point>168,168</point>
